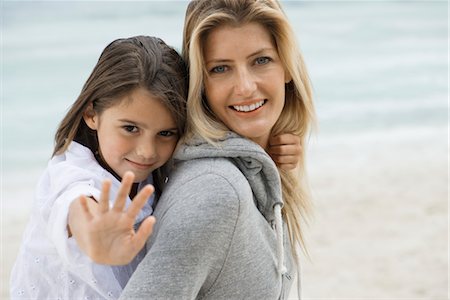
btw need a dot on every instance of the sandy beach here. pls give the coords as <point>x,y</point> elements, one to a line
<point>381,218</point>
<point>380,227</point>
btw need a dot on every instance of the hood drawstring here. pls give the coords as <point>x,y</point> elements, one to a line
<point>299,282</point>
<point>280,243</point>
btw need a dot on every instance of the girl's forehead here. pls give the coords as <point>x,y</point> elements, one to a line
<point>129,98</point>
<point>142,109</point>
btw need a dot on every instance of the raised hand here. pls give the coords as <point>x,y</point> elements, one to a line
<point>107,234</point>
<point>285,150</point>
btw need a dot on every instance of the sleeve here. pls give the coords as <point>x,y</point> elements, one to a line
<point>191,241</point>
<point>81,269</point>
<point>57,222</point>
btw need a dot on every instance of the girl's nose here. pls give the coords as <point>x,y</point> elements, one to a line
<point>147,150</point>
<point>245,83</point>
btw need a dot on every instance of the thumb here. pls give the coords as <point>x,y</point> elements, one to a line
<point>144,231</point>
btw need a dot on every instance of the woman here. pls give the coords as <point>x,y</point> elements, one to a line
<point>228,222</point>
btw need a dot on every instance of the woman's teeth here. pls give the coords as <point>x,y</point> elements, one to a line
<point>248,108</point>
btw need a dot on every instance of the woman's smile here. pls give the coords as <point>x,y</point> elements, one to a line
<point>248,107</point>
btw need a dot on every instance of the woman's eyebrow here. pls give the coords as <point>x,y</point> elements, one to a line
<point>261,51</point>
<point>256,53</point>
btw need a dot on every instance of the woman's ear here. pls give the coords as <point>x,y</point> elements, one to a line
<point>287,77</point>
<point>90,117</point>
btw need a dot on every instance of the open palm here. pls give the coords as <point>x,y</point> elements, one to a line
<point>107,234</point>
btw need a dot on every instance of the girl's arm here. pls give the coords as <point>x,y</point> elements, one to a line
<point>285,150</point>
<point>107,234</point>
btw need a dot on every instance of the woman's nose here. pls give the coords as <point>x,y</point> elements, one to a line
<point>245,83</point>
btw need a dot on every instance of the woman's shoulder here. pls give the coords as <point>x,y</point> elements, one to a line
<point>206,185</point>
<point>212,173</point>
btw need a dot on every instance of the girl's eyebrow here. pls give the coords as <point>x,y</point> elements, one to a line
<point>171,129</point>
<point>142,125</point>
<point>127,121</point>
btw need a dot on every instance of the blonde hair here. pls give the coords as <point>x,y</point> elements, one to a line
<point>297,116</point>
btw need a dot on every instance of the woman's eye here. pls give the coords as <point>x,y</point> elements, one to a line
<point>262,60</point>
<point>167,133</point>
<point>130,128</point>
<point>219,69</point>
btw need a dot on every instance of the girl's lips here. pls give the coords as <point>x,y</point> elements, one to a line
<point>140,165</point>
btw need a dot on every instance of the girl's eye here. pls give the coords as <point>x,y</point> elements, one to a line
<point>219,69</point>
<point>167,133</point>
<point>130,128</point>
<point>262,60</point>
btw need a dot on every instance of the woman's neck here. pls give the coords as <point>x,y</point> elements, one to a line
<point>263,141</point>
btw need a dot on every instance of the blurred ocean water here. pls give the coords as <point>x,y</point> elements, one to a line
<point>376,66</point>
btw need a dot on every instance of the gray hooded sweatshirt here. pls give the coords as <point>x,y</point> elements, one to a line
<point>216,236</point>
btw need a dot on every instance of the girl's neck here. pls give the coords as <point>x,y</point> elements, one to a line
<point>104,165</point>
<point>134,190</point>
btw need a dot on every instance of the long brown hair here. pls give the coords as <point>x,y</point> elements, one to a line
<point>124,65</point>
<point>202,17</point>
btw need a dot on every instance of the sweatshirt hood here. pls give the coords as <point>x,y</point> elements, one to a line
<point>259,169</point>
<point>256,165</point>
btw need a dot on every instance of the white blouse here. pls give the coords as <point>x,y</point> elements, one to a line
<point>49,264</point>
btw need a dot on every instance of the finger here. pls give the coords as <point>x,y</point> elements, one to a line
<point>284,139</point>
<point>104,196</point>
<point>124,191</point>
<point>139,201</point>
<point>285,159</point>
<point>292,149</point>
<point>144,231</point>
<point>287,167</point>
<point>85,212</point>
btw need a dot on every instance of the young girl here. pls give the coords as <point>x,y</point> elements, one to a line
<point>128,117</point>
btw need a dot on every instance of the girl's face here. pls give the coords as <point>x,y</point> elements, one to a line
<point>245,84</point>
<point>139,134</point>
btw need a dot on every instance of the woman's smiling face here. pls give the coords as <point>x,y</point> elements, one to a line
<point>245,83</point>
